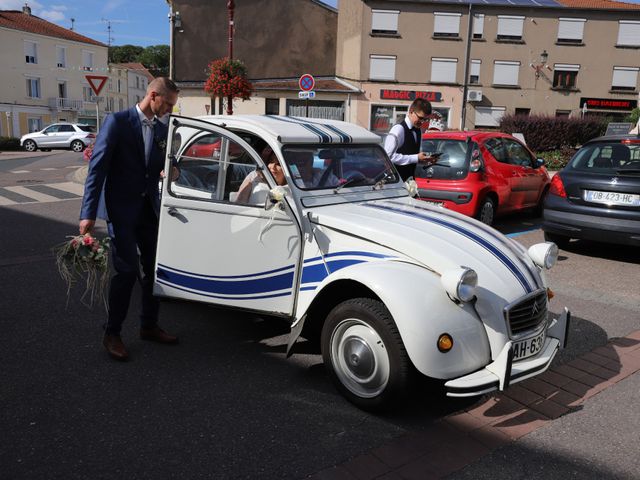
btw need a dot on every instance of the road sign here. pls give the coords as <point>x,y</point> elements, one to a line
<point>618,128</point>
<point>96,82</point>
<point>307,82</point>
<point>306,94</point>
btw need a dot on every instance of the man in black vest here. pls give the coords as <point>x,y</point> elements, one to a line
<point>404,139</point>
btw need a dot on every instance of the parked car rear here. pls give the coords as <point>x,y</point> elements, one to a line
<point>72,136</point>
<point>597,195</point>
<point>481,174</point>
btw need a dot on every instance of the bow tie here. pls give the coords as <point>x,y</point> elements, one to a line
<point>149,123</point>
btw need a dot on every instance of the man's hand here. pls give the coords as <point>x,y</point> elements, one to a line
<point>424,158</point>
<point>175,173</point>
<point>86,226</point>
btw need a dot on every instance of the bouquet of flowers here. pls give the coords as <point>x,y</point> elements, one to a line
<point>85,257</point>
<point>88,152</point>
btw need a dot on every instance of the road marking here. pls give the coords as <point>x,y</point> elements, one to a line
<point>27,192</point>
<point>48,169</point>
<point>20,171</point>
<point>42,193</point>
<point>5,201</point>
<point>70,187</point>
<point>74,166</point>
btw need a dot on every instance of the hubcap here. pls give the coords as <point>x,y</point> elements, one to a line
<point>359,358</point>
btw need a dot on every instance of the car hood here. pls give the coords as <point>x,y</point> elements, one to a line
<point>438,239</point>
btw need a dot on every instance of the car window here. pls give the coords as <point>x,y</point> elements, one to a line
<point>317,167</point>
<point>606,158</point>
<point>516,153</point>
<point>87,128</point>
<point>212,166</point>
<point>452,164</point>
<point>496,149</point>
<point>66,128</point>
<point>51,129</point>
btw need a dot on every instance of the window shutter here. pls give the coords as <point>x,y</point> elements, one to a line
<point>478,25</point>
<point>509,25</point>
<point>628,33</point>
<point>566,67</point>
<point>384,21</point>
<point>446,23</point>
<point>489,116</point>
<point>625,77</point>
<point>571,28</point>
<point>382,67</point>
<point>443,70</point>
<point>505,73</point>
<point>475,68</point>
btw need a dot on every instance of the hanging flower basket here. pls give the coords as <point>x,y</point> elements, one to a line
<point>228,78</point>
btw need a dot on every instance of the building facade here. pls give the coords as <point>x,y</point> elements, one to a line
<point>564,57</point>
<point>43,79</point>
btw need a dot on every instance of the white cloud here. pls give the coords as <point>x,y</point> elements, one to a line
<point>18,4</point>
<point>51,15</point>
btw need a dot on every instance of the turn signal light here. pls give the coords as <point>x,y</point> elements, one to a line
<point>550,294</point>
<point>445,343</point>
<point>557,187</point>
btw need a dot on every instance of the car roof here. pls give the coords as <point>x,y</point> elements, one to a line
<point>297,129</point>
<point>464,134</point>
<point>613,138</point>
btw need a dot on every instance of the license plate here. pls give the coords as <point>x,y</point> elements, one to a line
<point>529,347</point>
<point>612,198</point>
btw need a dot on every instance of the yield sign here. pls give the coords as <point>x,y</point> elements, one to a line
<point>96,82</point>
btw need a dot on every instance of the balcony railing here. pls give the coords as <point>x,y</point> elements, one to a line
<point>65,104</point>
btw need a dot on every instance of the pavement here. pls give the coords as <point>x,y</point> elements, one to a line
<point>569,422</point>
<point>18,154</point>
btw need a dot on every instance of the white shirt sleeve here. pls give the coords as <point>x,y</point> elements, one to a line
<point>391,144</point>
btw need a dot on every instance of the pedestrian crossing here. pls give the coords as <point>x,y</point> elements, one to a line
<point>40,193</point>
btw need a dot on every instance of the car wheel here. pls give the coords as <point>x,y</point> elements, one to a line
<point>560,240</point>
<point>487,211</point>
<point>364,354</point>
<point>30,146</point>
<point>77,146</point>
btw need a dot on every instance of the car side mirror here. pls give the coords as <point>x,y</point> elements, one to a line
<point>539,163</point>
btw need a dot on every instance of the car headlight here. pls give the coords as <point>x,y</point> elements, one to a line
<point>460,283</point>
<point>544,255</point>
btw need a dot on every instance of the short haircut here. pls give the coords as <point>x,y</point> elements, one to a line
<point>162,85</point>
<point>421,105</point>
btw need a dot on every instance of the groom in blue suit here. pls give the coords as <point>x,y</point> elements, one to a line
<point>122,188</point>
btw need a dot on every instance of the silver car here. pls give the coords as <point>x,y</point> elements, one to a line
<point>73,136</point>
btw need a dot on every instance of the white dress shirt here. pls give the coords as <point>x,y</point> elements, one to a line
<point>147,132</point>
<point>395,139</point>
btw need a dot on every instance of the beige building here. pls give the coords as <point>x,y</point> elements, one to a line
<point>550,57</point>
<point>43,75</point>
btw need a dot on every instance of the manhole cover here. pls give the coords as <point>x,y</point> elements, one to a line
<point>30,181</point>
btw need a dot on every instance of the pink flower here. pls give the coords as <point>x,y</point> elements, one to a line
<point>87,240</point>
<point>74,243</point>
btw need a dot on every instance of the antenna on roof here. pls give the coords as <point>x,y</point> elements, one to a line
<point>109,37</point>
<point>73,20</point>
<point>26,9</point>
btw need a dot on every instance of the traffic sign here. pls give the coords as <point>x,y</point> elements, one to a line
<point>307,82</point>
<point>307,94</point>
<point>96,82</point>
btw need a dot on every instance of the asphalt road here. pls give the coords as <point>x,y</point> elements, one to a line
<point>226,403</point>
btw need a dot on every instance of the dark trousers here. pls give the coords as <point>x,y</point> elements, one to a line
<point>126,241</point>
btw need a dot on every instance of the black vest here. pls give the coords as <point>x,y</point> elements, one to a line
<point>409,147</point>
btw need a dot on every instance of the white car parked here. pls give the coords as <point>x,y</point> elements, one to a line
<point>387,284</point>
<point>69,136</point>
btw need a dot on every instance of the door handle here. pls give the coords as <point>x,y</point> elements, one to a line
<point>173,211</point>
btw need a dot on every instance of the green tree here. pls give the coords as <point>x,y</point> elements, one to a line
<point>156,59</point>
<point>634,116</point>
<point>125,53</point>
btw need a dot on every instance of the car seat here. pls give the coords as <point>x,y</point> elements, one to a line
<point>620,155</point>
<point>601,162</point>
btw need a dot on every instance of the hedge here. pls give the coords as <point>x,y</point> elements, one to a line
<point>545,133</point>
<point>9,143</point>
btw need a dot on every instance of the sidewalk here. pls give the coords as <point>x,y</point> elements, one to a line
<point>12,155</point>
<point>461,445</point>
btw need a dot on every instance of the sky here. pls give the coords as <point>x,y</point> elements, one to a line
<point>134,22</point>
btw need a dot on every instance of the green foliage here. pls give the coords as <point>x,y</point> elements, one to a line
<point>634,116</point>
<point>557,159</point>
<point>154,57</point>
<point>9,144</point>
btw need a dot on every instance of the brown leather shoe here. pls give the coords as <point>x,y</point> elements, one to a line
<point>156,334</point>
<point>115,347</point>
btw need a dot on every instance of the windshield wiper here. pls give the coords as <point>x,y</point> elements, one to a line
<point>384,178</point>
<point>342,185</point>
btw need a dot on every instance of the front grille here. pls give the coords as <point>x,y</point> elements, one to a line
<point>527,314</point>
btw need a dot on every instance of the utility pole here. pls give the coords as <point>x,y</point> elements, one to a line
<point>465,81</point>
<point>230,7</point>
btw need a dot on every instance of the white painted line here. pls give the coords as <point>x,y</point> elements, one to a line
<point>6,201</point>
<point>70,187</point>
<point>20,171</point>
<point>48,169</point>
<point>40,197</point>
<point>74,166</point>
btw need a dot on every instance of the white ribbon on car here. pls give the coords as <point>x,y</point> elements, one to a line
<point>276,196</point>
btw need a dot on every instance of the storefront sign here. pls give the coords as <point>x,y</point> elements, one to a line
<point>410,95</point>
<point>608,104</point>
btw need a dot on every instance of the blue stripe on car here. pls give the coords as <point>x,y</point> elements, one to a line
<point>506,261</point>
<point>323,137</point>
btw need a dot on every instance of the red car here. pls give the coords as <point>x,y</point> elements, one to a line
<point>481,174</point>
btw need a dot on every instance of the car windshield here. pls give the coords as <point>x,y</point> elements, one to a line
<point>452,161</point>
<point>87,128</point>
<point>607,158</point>
<point>323,167</point>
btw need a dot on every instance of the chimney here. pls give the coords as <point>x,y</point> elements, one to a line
<point>26,9</point>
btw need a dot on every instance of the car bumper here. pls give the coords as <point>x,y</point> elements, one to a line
<point>502,372</point>
<point>458,201</point>
<point>592,227</point>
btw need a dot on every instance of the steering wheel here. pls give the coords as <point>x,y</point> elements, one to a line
<point>325,175</point>
<point>355,177</point>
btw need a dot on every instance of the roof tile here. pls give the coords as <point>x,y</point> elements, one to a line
<point>599,4</point>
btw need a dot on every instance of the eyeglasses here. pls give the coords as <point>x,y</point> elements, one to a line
<point>421,119</point>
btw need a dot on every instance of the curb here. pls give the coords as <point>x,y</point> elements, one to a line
<point>455,441</point>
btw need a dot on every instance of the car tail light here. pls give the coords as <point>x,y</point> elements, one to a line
<point>557,187</point>
<point>475,165</point>
<point>628,141</point>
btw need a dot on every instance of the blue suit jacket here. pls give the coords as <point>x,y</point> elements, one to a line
<point>119,181</point>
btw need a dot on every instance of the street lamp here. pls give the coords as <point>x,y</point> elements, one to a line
<point>175,21</point>
<point>544,56</point>
<point>230,7</point>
